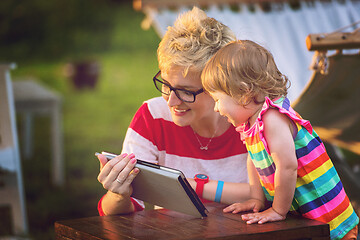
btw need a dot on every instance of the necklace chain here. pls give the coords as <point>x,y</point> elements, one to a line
<point>207,145</point>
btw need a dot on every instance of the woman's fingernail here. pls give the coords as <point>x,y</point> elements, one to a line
<point>131,156</point>
<point>133,160</point>
<point>123,155</point>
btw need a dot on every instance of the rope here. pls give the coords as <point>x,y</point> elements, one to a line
<point>343,28</point>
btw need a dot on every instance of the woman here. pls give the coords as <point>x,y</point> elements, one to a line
<point>180,129</point>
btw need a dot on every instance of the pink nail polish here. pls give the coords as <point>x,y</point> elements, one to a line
<point>123,155</point>
<point>133,160</point>
<point>131,156</point>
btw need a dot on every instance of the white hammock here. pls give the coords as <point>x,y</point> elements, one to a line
<point>282,30</point>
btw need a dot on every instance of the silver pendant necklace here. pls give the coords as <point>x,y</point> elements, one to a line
<point>207,145</point>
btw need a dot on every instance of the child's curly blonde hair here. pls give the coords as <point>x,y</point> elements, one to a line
<point>245,71</point>
<point>192,41</point>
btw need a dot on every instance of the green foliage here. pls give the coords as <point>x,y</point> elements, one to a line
<point>57,28</point>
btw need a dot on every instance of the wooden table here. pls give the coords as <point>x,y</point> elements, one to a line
<point>166,224</point>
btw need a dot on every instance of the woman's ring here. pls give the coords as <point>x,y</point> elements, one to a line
<point>119,181</point>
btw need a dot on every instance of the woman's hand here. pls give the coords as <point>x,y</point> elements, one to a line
<point>269,215</point>
<point>254,205</point>
<point>117,174</point>
<point>192,182</point>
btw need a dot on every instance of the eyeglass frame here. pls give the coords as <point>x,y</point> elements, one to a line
<point>155,79</point>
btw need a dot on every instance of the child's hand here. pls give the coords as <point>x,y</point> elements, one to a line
<point>269,215</point>
<point>254,205</point>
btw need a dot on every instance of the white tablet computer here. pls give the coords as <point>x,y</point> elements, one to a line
<point>165,187</point>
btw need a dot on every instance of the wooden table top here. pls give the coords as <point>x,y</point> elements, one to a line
<point>166,224</point>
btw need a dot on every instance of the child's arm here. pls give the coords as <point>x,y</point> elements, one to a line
<point>257,197</point>
<point>278,134</point>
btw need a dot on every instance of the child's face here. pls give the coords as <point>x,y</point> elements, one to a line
<point>235,113</point>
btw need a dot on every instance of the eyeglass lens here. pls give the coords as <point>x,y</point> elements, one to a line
<point>183,95</point>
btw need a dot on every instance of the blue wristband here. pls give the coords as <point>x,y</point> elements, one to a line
<point>219,190</point>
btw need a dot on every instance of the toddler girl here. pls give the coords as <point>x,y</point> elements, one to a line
<point>287,162</point>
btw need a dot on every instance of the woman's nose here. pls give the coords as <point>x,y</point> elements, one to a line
<point>172,99</point>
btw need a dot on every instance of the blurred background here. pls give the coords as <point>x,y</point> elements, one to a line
<point>49,41</point>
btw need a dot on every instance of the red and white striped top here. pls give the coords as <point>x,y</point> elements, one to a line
<point>153,136</point>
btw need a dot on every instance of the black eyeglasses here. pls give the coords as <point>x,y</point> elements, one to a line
<point>183,94</point>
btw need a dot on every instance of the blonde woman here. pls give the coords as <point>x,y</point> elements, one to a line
<point>180,129</point>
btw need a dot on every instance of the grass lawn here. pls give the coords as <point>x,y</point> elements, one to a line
<point>93,120</point>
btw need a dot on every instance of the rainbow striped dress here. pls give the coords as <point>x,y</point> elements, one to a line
<point>319,193</point>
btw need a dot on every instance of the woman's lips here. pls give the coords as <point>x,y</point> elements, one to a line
<point>180,112</point>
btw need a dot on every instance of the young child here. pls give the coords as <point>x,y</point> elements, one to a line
<point>287,162</point>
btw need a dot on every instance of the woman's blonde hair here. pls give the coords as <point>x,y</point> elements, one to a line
<point>245,71</point>
<point>192,41</point>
